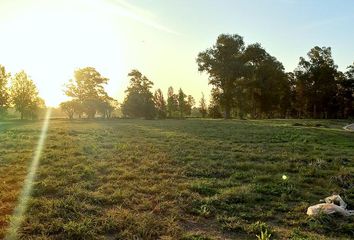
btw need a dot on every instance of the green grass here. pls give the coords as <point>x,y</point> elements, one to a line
<point>188,179</point>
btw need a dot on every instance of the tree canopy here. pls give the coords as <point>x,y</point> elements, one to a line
<point>224,64</point>
<point>248,82</point>
<point>88,94</point>
<point>203,106</point>
<point>24,95</point>
<point>139,102</point>
<point>160,104</point>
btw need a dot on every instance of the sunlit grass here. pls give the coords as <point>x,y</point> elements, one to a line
<point>192,179</point>
<point>19,211</point>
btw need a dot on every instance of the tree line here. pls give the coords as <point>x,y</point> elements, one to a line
<point>247,82</point>
<point>89,97</point>
<point>141,102</point>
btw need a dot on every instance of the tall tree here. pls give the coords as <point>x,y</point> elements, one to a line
<point>224,64</point>
<point>87,87</point>
<point>267,84</point>
<point>4,92</point>
<point>139,101</point>
<point>72,107</point>
<point>316,82</point>
<point>68,108</point>
<point>346,92</point>
<point>189,105</point>
<point>160,104</point>
<point>24,95</point>
<point>172,102</point>
<point>202,106</point>
<point>106,107</point>
<point>181,103</point>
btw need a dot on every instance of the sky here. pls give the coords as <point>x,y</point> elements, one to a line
<point>49,39</point>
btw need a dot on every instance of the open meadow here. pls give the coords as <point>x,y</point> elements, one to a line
<point>178,179</point>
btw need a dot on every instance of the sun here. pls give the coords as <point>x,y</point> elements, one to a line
<point>50,41</point>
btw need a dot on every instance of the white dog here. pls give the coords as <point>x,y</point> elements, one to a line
<point>334,204</point>
<point>349,127</point>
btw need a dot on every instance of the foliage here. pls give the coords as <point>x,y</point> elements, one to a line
<point>203,106</point>
<point>224,64</point>
<point>70,108</point>
<point>139,102</point>
<point>248,82</point>
<point>106,107</point>
<point>266,88</point>
<point>189,105</point>
<point>179,105</point>
<point>260,227</point>
<point>172,102</point>
<point>24,96</point>
<point>264,235</point>
<point>345,94</point>
<point>4,92</point>
<point>214,109</point>
<point>160,104</point>
<point>316,83</point>
<point>88,94</point>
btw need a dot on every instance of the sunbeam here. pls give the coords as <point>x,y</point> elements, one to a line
<point>19,211</point>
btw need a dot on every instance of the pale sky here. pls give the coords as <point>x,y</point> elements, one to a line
<point>49,39</point>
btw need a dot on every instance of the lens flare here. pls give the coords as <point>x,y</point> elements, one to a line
<point>19,211</point>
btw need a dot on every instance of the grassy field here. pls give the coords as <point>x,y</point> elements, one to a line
<point>187,179</point>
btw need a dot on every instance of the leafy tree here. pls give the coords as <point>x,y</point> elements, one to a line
<point>35,107</point>
<point>24,95</point>
<point>87,88</point>
<point>172,102</point>
<point>4,93</point>
<point>69,108</point>
<point>160,104</point>
<point>202,106</point>
<point>106,107</point>
<point>345,95</point>
<point>266,84</point>
<point>189,105</point>
<point>248,82</point>
<point>139,101</point>
<point>350,72</point>
<point>181,103</point>
<point>224,64</point>
<point>316,82</point>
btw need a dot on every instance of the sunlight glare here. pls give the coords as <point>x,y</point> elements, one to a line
<point>49,42</point>
<point>18,214</point>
